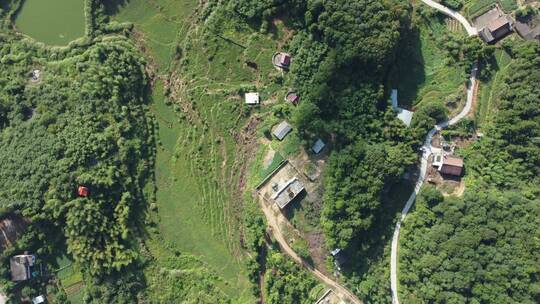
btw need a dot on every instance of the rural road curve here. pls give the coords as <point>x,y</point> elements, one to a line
<point>471,30</point>
<point>273,222</point>
<point>426,148</point>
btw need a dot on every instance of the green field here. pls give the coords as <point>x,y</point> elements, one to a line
<point>488,94</point>
<point>54,22</point>
<point>201,139</point>
<point>474,8</point>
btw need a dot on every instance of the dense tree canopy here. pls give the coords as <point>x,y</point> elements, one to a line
<point>341,59</point>
<point>83,122</point>
<point>354,183</point>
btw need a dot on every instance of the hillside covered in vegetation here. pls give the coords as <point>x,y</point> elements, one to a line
<point>146,112</point>
<point>483,248</point>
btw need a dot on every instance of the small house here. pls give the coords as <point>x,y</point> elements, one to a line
<point>82,191</point>
<point>281,60</point>
<point>20,266</point>
<point>339,259</point>
<point>292,98</point>
<point>282,130</point>
<point>402,114</point>
<point>252,98</point>
<point>287,192</point>
<point>318,146</point>
<point>38,300</point>
<point>451,165</point>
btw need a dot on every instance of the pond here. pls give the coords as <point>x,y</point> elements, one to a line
<point>53,22</point>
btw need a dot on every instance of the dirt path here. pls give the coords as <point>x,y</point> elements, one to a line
<point>274,219</point>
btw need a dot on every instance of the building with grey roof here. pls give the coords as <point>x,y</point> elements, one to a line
<point>20,266</point>
<point>287,192</point>
<point>282,130</point>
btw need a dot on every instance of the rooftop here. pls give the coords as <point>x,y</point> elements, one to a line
<point>252,98</point>
<point>450,160</point>
<point>20,267</point>
<point>405,116</point>
<point>282,130</point>
<point>288,192</point>
<point>498,23</point>
<point>318,146</point>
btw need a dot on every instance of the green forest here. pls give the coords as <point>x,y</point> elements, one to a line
<point>483,248</point>
<point>143,111</point>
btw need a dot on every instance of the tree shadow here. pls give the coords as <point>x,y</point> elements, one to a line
<point>112,7</point>
<point>408,73</point>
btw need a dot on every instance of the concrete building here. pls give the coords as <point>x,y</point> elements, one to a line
<point>287,192</point>
<point>493,25</point>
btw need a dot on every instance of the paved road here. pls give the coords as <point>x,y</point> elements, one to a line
<point>274,218</point>
<point>471,30</point>
<point>427,151</point>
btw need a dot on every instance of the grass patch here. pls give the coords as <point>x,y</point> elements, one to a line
<point>193,209</point>
<point>68,273</point>
<point>276,161</point>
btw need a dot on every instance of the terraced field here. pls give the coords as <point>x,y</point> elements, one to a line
<point>206,137</point>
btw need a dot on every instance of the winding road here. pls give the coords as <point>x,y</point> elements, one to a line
<point>471,30</point>
<point>274,218</point>
<point>427,148</point>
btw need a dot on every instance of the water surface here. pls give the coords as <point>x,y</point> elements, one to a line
<point>54,22</point>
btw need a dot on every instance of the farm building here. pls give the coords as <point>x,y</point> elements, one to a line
<point>286,193</point>
<point>318,146</point>
<point>20,266</point>
<point>252,98</point>
<point>282,130</point>
<point>493,25</point>
<point>496,29</point>
<point>451,165</point>
<point>281,60</point>
<point>528,32</point>
<point>402,114</point>
<point>292,98</point>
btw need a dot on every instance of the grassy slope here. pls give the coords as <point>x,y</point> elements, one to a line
<point>421,74</point>
<point>487,96</point>
<point>198,161</point>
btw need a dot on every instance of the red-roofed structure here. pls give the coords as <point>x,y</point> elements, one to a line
<point>293,98</point>
<point>83,191</point>
<point>452,165</point>
<point>285,59</point>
